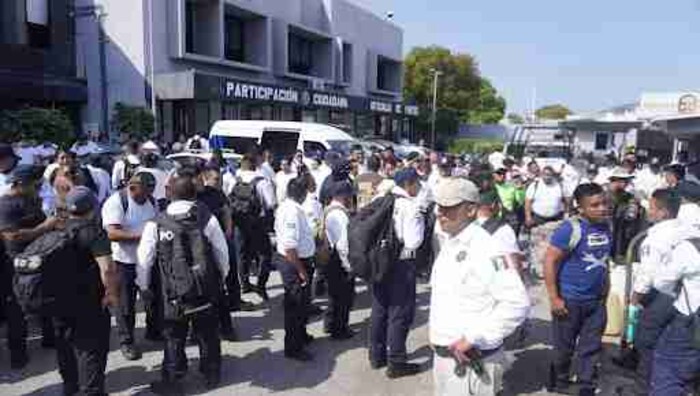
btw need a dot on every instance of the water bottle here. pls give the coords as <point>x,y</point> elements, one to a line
<point>632,321</point>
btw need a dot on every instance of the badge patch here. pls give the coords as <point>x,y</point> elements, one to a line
<point>461,256</point>
<point>499,263</point>
<point>596,240</point>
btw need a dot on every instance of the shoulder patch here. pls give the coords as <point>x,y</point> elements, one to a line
<point>500,263</point>
<point>461,256</point>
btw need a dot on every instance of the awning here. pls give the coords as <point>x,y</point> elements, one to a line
<point>600,126</point>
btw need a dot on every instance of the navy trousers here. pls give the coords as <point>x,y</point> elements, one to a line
<point>296,297</point>
<point>341,294</point>
<point>657,314</point>
<point>206,329</point>
<point>581,331</point>
<point>676,363</point>
<point>393,309</point>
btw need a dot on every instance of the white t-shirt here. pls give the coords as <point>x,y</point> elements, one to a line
<point>27,155</point>
<point>133,221</point>
<point>546,199</point>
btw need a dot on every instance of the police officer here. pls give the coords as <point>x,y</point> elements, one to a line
<point>394,299</point>
<point>341,281</point>
<point>677,355</point>
<point>295,252</point>
<point>477,298</point>
<point>82,328</point>
<point>655,253</point>
<point>204,321</point>
<point>576,278</point>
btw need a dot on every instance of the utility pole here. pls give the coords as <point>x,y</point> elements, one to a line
<point>151,61</point>
<point>436,75</point>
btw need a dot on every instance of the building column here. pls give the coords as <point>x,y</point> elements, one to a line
<point>167,121</point>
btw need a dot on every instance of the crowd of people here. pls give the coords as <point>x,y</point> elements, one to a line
<point>84,239</point>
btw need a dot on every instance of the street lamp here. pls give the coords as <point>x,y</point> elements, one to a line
<point>436,74</point>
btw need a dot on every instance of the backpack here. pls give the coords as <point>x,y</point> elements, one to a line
<point>124,198</point>
<point>245,203</point>
<point>46,273</point>
<point>374,246</point>
<point>189,275</point>
<point>576,233</point>
<point>324,250</point>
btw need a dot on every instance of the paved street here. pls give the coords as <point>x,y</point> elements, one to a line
<point>256,366</point>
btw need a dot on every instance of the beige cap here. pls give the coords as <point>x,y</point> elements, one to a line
<point>620,173</point>
<point>453,191</point>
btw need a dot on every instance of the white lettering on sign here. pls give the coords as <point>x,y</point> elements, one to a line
<point>411,110</point>
<point>334,101</point>
<point>381,107</point>
<point>260,92</point>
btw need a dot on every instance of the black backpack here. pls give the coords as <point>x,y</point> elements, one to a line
<point>188,271</point>
<point>124,198</point>
<point>245,203</point>
<point>47,278</point>
<point>373,244</point>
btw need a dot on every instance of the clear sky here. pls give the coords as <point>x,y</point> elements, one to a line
<point>587,54</point>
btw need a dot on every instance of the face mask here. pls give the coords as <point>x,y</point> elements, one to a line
<point>548,179</point>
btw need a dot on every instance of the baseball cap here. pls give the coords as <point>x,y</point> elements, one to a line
<point>620,174</point>
<point>145,178</point>
<point>455,190</point>
<point>341,188</point>
<point>406,175</point>
<point>80,200</point>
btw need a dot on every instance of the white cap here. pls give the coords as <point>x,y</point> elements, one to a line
<point>453,191</point>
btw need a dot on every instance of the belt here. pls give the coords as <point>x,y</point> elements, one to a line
<point>407,255</point>
<point>445,352</point>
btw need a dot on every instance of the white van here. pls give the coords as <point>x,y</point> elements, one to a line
<point>282,138</point>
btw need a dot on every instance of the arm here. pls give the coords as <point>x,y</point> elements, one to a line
<point>288,239</point>
<point>228,221</point>
<point>110,280</point>
<point>337,234</point>
<point>267,194</point>
<point>217,239</point>
<point>116,233</point>
<point>552,259</point>
<point>112,218</point>
<point>29,234</point>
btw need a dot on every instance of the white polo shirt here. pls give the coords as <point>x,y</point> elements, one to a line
<point>546,199</point>
<point>293,230</point>
<point>133,221</point>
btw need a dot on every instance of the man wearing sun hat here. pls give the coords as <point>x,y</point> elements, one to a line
<point>477,297</point>
<point>628,215</point>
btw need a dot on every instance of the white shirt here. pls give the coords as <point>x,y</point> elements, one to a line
<point>28,155</point>
<point>685,269</point>
<point>264,188</point>
<point>161,177</point>
<point>267,171</point>
<point>46,150</point>
<point>505,235</point>
<point>313,211</point>
<point>546,199</point>
<point>149,239</point>
<point>293,231</point>
<point>320,174</point>
<point>84,149</point>
<point>475,294</point>
<point>5,184</point>
<point>228,181</point>
<point>655,252</point>
<point>119,169</point>
<point>337,222</point>
<point>408,221</point>
<point>646,182</point>
<point>689,214</point>
<point>281,182</point>
<point>103,181</point>
<point>133,221</point>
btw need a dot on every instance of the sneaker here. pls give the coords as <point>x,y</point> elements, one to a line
<point>398,370</point>
<point>262,292</point>
<point>587,391</point>
<point>343,335</point>
<point>130,352</point>
<point>246,288</point>
<point>377,364</point>
<point>301,356</point>
<point>167,388</point>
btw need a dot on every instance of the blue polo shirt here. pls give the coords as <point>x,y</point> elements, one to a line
<point>582,274</point>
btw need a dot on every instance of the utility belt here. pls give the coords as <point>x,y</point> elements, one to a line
<point>407,254</point>
<point>540,220</point>
<point>475,362</point>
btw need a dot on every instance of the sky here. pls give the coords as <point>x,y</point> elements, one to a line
<point>588,55</point>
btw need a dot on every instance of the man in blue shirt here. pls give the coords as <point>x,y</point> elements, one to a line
<point>576,277</point>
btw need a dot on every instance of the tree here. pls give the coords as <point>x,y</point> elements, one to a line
<point>36,123</point>
<point>463,95</point>
<point>553,112</point>
<point>135,121</point>
<point>515,118</point>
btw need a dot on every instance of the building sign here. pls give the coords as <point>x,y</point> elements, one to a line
<point>688,104</point>
<point>239,90</point>
<point>669,103</point>
<point>330,100</point>
<point>411,110</point>
<point>381,107</point>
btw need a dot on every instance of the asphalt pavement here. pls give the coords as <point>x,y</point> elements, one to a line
<point>255,365</point>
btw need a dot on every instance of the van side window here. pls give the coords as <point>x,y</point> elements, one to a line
<point>314,149</point>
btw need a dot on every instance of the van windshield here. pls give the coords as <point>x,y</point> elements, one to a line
<point>240,145</point>
<point>342,146</point>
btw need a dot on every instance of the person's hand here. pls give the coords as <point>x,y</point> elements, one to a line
<point>303,276</point>
<point>461,349</point>
<point>558,307</point>
<point>110,300</point>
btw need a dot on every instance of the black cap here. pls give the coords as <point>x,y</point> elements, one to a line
<point>341,188</point>
<point>80,200</point>
<point>406,175</point>
<point>145,178</point>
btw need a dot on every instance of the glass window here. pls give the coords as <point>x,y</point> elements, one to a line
<point>347,62</point>
<point>313,149</point>
<point>300,54</point>
<point>234,46</point>
<point>601,140</point>
<point>189,26</point>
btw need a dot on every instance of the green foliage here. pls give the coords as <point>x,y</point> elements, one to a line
<point>463,95</point>
<point>134,121</point>
<point>553,112</point>
<point>475,146</point>
<point>515,118</point>
<point>35,123</point>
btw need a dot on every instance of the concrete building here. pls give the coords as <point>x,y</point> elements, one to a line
<point>38,57</point>
<point>326,61</point>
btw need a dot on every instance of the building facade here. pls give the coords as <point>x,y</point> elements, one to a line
<point>38,64</point>
<point>197,61</point>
